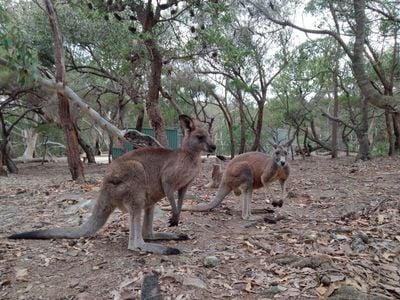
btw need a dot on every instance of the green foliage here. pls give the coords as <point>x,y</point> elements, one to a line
<point>19,56</point>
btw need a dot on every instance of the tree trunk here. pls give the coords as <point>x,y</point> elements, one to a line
<point>97,149</point>
<point>389,131</point>
<point>257,139</point>
<point>231,139</point>
<point>345,140</point>
<point>335,125</point>
<point>71,137</point>
<point>242,116</point>
<point>152,104</point>
<point>140,119</point>
<point>30,137</point>
<point>362,134</point>
<point>3,172</point>
<point>363,81</point>
<point>87,149</point>
<point>396,130</point>
<point>5,159</point>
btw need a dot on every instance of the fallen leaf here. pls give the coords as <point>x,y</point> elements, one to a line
<point>332,287</point>
<point>248,287</point>
<point>387,256</point>
<point>321,290</point>
<point>21,274</point>
<point>381,219</point>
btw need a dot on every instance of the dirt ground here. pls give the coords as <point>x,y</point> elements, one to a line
<point>337,236</point>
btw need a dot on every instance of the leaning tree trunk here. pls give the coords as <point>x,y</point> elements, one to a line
<point>112,130</point>
<point>71,137</point>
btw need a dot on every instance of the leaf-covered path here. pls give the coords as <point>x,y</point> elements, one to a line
<point>338,235</point>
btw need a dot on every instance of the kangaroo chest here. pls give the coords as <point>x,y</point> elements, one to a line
<point>273,174</point>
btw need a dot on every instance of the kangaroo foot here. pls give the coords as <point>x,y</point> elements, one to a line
<point>173,221</point>
<point>251,217</point>
<point>155,248</point>
<point>166,236</point>
<point>278,203</point>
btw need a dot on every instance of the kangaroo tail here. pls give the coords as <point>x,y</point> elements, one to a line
<point>100,213</point>
<point>222,192</point>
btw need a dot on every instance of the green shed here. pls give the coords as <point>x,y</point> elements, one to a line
<point>173,137</point>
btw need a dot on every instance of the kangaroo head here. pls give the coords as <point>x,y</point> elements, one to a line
<point>195,138</point>
<point>279,155</point>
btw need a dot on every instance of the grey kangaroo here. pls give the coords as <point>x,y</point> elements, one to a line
<point>135,182</point>
<point>249,171</point>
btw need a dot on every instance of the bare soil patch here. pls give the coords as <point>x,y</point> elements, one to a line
<point>339,236</point>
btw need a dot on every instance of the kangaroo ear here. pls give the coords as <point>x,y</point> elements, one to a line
<point>289,142</point>
<point>187,123</point>
<point>273,144</point>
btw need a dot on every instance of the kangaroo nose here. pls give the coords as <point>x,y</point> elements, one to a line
<point>282,163</point>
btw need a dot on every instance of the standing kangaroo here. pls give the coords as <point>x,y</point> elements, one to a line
<point>248,171</point>
<point>135,182</point>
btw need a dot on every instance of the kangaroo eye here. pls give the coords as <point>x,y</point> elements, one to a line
<point>201,138</point>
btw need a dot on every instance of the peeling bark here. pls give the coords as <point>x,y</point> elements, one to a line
<point>71,137</point>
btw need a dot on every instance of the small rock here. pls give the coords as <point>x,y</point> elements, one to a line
<point>340,237</point>
<point>83,288</point>
<point>210,261</point>
<point>194,281</point>
<point>363,236</point>
<point>357,244</point>
<point>74,283</point>
<point>325,280</point>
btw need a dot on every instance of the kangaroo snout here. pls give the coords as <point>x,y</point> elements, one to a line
<point>283,163</point>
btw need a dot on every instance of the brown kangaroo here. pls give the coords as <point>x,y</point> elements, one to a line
<point>135,182</point>
<point>249,171</point>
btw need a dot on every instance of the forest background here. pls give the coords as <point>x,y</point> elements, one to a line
<point>324,71</point>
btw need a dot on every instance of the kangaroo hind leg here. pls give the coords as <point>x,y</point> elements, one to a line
<point>136,241</point>
<point>150,235</point>
<point>246,188</point>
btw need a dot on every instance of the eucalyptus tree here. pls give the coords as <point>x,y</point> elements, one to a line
<point>17,71</point>
<point>244,55</point>
<point>310,79</point>
<point>350,23</point>
<point>19,60</point>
